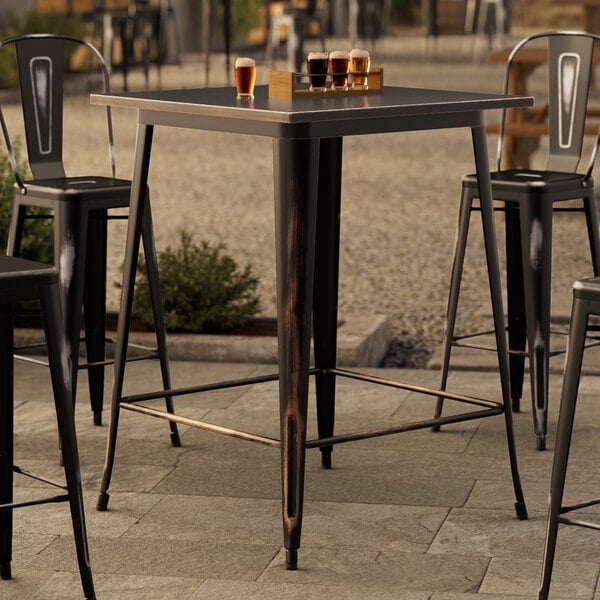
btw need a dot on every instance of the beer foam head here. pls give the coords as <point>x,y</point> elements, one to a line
<point>244,61</point>
<point>356,53</point>
<point>338,54</point>
<point>317,55</point>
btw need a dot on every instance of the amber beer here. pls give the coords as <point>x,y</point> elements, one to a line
<point>338,67</point>
<point>245,77</point>
<point>317,69</point>
<point>360,62</point>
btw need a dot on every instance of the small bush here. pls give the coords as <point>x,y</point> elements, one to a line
<point>203,289</point>
<point>37,242</point>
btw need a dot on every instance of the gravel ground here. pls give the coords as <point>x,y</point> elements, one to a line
<point>400,196</point>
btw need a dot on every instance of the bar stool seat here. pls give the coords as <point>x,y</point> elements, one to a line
<point>22,279</point>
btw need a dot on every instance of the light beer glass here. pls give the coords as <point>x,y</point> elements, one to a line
<point>360,63</point>
<point>317,69</point>
<point>245,77</point>
<point>338,67</point>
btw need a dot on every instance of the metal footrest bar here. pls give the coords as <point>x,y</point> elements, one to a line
<point>196,389</point>
<point>364,435</point>
<point>24,472</point>
<point>49,500</point>
<point>488,408</point>
<point>412,387</point>
<point>578,523</point>
<point>236,433</point>
<point>571,507</point>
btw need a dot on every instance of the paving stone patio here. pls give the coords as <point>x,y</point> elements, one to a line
<point>416,516</point>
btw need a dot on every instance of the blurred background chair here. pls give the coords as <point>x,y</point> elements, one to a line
<point>22,279</point>
<point>295,21</point>
<point>78,205</point>
<point>530,197</point>
<point>586,303</point>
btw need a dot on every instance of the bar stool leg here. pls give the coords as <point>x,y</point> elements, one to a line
<point>325,295</point>
<point>536,236</point>
<point>577,333</point>
<point>517,328</point>
<point>59,369</point>
<point>6,440</point>
<point>460,247</point>
<point>94,309</point>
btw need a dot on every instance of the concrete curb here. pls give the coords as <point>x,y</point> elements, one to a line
<point>362,342</point>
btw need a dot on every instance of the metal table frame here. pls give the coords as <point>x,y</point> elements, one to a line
<point>307,148</point>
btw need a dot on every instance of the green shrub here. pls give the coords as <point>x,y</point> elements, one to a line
<point>37,242</point>
<point>203,289</point>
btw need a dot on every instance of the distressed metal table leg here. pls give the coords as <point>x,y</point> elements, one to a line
<point>491,250</point>
<point>325,297</point>
<point>295,175</point>
<point>134,229</point>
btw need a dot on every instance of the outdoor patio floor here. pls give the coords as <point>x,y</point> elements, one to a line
<point>415,516</point>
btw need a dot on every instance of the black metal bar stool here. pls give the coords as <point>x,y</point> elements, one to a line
<point>530,198</point>
<point>586,302</point>
<point>22,279</point>
<point>80,207</point>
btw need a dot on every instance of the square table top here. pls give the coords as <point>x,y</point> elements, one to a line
<point>393,109</point>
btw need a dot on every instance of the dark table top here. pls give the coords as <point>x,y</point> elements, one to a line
<point>394,109</point>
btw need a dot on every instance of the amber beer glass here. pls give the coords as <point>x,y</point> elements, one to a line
<point>338,67</point>
<point>360,62</point>
<point>245,77</point>
<point>317,69</point>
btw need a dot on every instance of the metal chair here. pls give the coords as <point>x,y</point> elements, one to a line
<point>586,302</point>
<point>530,198</point>
<point>22,279</point>
<point>294,21</point>
<point>79,205</point>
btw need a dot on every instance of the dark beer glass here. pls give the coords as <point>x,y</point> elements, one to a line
<point>338,67</point>
<point>317,63</point>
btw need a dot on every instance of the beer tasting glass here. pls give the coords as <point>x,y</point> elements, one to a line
<point>317,69</point>
<point>360,63</point>
<point>338,67</point>
<point>245,77</point>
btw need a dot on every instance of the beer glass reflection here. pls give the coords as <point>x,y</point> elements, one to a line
<point>245,77</point>
<point>338,67</point>
<point>360,63</point>
<point>317,69</point>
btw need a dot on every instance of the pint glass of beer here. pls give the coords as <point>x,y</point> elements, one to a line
<point>245,77</point>
<point>317,69</point>
<point>338,67</point>
<point>360,63</point>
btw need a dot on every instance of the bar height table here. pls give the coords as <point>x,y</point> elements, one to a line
<point>307,153</point>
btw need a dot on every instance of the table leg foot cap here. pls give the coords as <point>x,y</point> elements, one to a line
<point>521,510</point>
<point>326,460</point>
<point>102,503</point>
<point>175,440</point>
<point>291,559</point>
<point>541,442</point>
<point>5,571</point>
<point>98,418</point>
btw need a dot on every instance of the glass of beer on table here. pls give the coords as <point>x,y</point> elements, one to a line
<point>317,69</point>
<point>360,63</point>
<point>338,67</point>
<point>245,77</point>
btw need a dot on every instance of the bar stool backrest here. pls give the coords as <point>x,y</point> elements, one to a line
<point>41,68</point>
<point>569,62</point>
